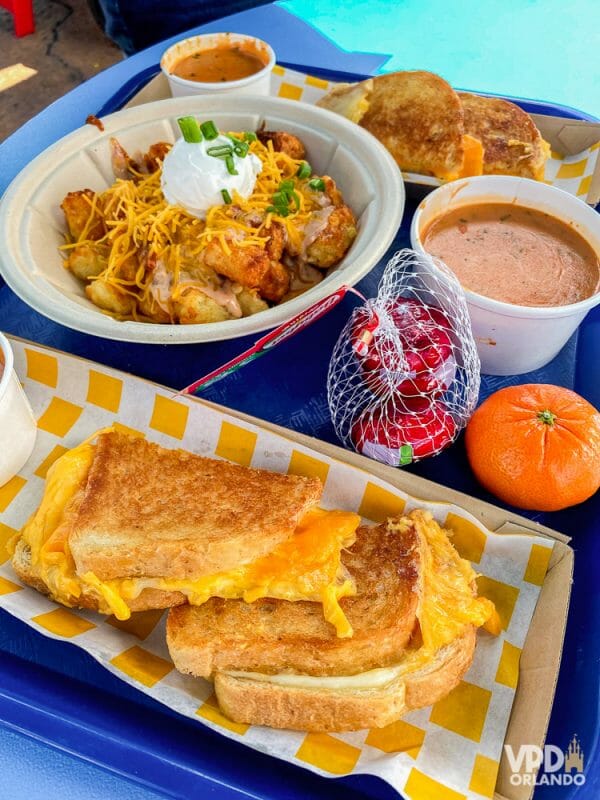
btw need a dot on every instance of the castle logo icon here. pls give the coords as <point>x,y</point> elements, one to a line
<point>549,765</point>
<point>573,756</point>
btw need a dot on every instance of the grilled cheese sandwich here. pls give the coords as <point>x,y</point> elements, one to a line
<point>259,680</point>
<point>447,606</point>
<point>305,564</point>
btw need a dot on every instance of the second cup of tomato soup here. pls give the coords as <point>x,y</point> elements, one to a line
<point>219,63</point>
<point>526,254</point>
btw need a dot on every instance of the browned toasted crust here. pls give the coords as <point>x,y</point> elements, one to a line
<point>512,144</point>
<point>152,512</point>
<point>419,118</point>
<point>269,636</point>
<point>261,703</point>
<point>147,599</point>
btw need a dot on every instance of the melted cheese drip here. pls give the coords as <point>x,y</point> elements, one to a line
<point>447,606</point>
<point>307,566</point>
<point>47,530</point>
<point>473,157</point>
<point>472,161</point>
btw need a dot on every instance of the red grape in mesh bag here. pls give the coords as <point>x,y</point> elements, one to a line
<point>424,365</point>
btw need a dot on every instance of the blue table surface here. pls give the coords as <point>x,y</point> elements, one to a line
<point>28,768</point>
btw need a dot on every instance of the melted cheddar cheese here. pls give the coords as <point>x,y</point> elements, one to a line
<point>471,164</point>
<point>307,566</point>
<point>473,156</point>
<point>447,602</point>
<point>139,221</point>
<point>47,530</point>
<point>447,606</point>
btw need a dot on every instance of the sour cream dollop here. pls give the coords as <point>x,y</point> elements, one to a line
<point>194,180</point>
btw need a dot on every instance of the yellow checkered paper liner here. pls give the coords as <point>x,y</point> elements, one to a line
<point>446,752</point>
<point>572,173</point>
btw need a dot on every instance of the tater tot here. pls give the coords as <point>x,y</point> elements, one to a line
<point>276,282</point>
<point>245,265</point>
<point>150,308</point>
<point>283,142</point>
<point>251,302</point>
<point>332,243</point>
<point>193,306</point>
<point>86,261</point>
<point>80,216</point>
<point>109,297</point>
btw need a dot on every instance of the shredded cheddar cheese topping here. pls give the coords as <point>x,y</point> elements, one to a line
<point>150,244</point>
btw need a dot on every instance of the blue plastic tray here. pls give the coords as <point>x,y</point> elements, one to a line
<point>57,694</point>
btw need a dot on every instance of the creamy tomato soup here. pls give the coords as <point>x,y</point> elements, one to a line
<point>225,63</point>
<point>515,254</point>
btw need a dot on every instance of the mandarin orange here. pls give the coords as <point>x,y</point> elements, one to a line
<point>536,446</point>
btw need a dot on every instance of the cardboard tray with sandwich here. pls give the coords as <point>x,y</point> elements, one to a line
<point>437,133</point>
<point>301,614</point>
<point>302,617</point>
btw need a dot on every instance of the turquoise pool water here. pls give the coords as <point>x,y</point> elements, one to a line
<point>540,49</point>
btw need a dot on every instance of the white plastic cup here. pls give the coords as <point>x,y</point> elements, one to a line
<point>18,427</point>
<point>257,84</point>
<point>513,339</point>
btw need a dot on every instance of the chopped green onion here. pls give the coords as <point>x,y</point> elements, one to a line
<point>318,184</point>
<point>241,149</point>
<point>190,129</point>
<point>220,150</point>
<point>304,170</point>
<point>209,130</point>
<point>229,163</point>
<point>226,197</point>
<point>250,136</point>
<point>281,199</point>
<point>283,211</point>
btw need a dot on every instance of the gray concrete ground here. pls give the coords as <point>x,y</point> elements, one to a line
<point>67,48</point>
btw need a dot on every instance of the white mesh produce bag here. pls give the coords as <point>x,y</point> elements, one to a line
<point>403,378</point>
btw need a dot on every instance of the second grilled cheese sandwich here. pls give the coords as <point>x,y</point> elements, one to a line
<point>415,615</point>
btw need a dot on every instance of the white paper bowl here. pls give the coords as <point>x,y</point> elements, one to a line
<point>513,339</point>
<point>32,224</point>
<point>259,83</point>
<point>18,428</point>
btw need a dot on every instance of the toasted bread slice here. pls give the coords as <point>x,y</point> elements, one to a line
<point>512,143</point>
<point>350,100</point>
<point>121,516</point>
<point>151,512</point>
<point>148,599</point>
<point>270,636</point>
<point>419,118</point>
<point>327,708</point>
<point>415,618</point>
